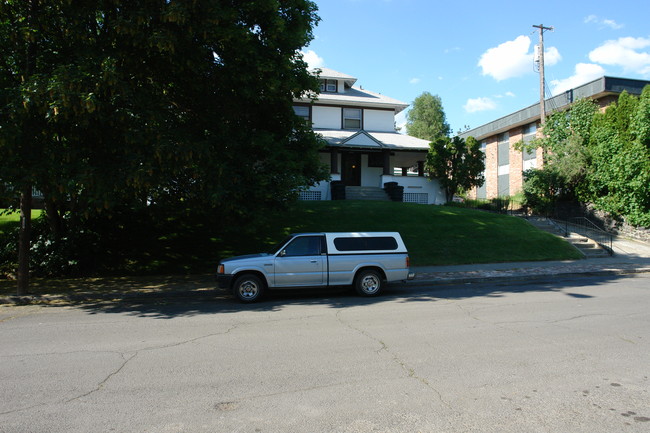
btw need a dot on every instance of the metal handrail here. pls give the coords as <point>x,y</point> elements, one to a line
<point>585,227</point>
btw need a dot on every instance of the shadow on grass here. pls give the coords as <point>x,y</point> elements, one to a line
<point>168,302</point>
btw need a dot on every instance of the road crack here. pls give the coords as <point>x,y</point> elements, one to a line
<point>101,384</point>
<point>410,371</point>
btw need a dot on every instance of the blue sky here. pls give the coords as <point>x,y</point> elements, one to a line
<point>478,56</point>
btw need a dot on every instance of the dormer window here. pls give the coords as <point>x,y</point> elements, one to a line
<point>328,86</point>
<point>351,118</point>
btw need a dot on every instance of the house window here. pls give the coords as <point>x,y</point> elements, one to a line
<point>351,118</point>
<point>328,86</point>
<point>529,133</point>
<point>503,149</point>
<point>375,160</point>
<point>302,111</point>
<point>503,159</point>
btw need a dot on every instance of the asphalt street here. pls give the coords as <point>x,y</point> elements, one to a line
<point>570,355</point>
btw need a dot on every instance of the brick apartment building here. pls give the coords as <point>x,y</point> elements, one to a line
<point>504,165</point>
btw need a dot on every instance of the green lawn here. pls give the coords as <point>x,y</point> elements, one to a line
<point>13,219</point>
<point>434,235</point>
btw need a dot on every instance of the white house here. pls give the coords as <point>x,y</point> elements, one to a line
<point>363,151</point>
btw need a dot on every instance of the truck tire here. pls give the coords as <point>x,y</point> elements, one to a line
<point>248,288</point>
<point>368,282</point>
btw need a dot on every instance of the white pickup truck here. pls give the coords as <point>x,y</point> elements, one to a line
<point>364,260</point>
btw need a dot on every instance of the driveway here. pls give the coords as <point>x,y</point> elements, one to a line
<point>571,355</point>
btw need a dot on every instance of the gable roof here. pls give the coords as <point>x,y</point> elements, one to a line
<point>372,140</point>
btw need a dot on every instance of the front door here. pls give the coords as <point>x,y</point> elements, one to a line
<point>351,172</point>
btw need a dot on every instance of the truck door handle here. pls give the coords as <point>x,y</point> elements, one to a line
<point>313,261</point>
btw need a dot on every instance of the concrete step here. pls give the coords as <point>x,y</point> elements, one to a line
<point>586,246</point>
<point>365,193</point>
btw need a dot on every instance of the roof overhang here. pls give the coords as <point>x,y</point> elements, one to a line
<point>372,140</point>
<point>597,89</point>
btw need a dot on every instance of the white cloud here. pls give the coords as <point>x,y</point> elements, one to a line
<point>507,94</point>
<point>514,59</point>
<point>414,80</point>
<point>604,22</point>
<point>312,59</point>
<point>584,72</point>
<point>627,53</point>
<point>479,104</point>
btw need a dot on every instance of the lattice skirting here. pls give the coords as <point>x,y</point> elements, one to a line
<point>416,197</point>
<point>310,195</point>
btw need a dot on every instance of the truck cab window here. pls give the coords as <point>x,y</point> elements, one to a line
<point>304,246</point>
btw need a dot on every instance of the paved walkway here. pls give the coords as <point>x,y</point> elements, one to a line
<point>629,257</point>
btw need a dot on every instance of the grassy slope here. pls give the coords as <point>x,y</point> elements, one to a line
<point>434,235</point>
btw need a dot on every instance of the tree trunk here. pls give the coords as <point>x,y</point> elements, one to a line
<point>54,219</point>
<point>26,192</point>
<point>24,239</point>
<point>449,194</point>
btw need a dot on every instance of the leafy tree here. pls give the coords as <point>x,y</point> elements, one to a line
<point>427,118</point>
<point>620,175</point>
<point>565,146</point>
<point>457,164</point>
<point>542,189</point>
<point>597,157</point>
<point>115,104</point>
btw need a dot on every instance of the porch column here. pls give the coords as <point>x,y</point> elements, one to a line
<point>387,168</point>
<point>421,168</point>
<point>334,161</point>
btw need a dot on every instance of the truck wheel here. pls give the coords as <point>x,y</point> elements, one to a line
<point>368,283</point>
<point>248,288</point>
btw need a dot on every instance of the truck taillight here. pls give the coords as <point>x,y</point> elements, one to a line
<point>221,269</point>
<point>408,262</point>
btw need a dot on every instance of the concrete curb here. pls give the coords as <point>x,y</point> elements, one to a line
<point>532,275</point>
<point>525,277</point>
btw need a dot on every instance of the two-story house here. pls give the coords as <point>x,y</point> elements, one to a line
<point>364,151</point>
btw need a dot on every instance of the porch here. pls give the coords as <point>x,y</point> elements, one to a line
<point>370,171</point>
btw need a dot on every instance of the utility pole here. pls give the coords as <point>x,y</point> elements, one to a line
<point>542,104</point>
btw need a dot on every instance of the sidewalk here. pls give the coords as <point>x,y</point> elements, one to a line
<point>629,257</point>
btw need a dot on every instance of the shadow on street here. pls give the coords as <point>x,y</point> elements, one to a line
<point>219,301</point>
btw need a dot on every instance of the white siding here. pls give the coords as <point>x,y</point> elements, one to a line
<point>370,176</point>
<point>326,117</point>
<point>379,120</point>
